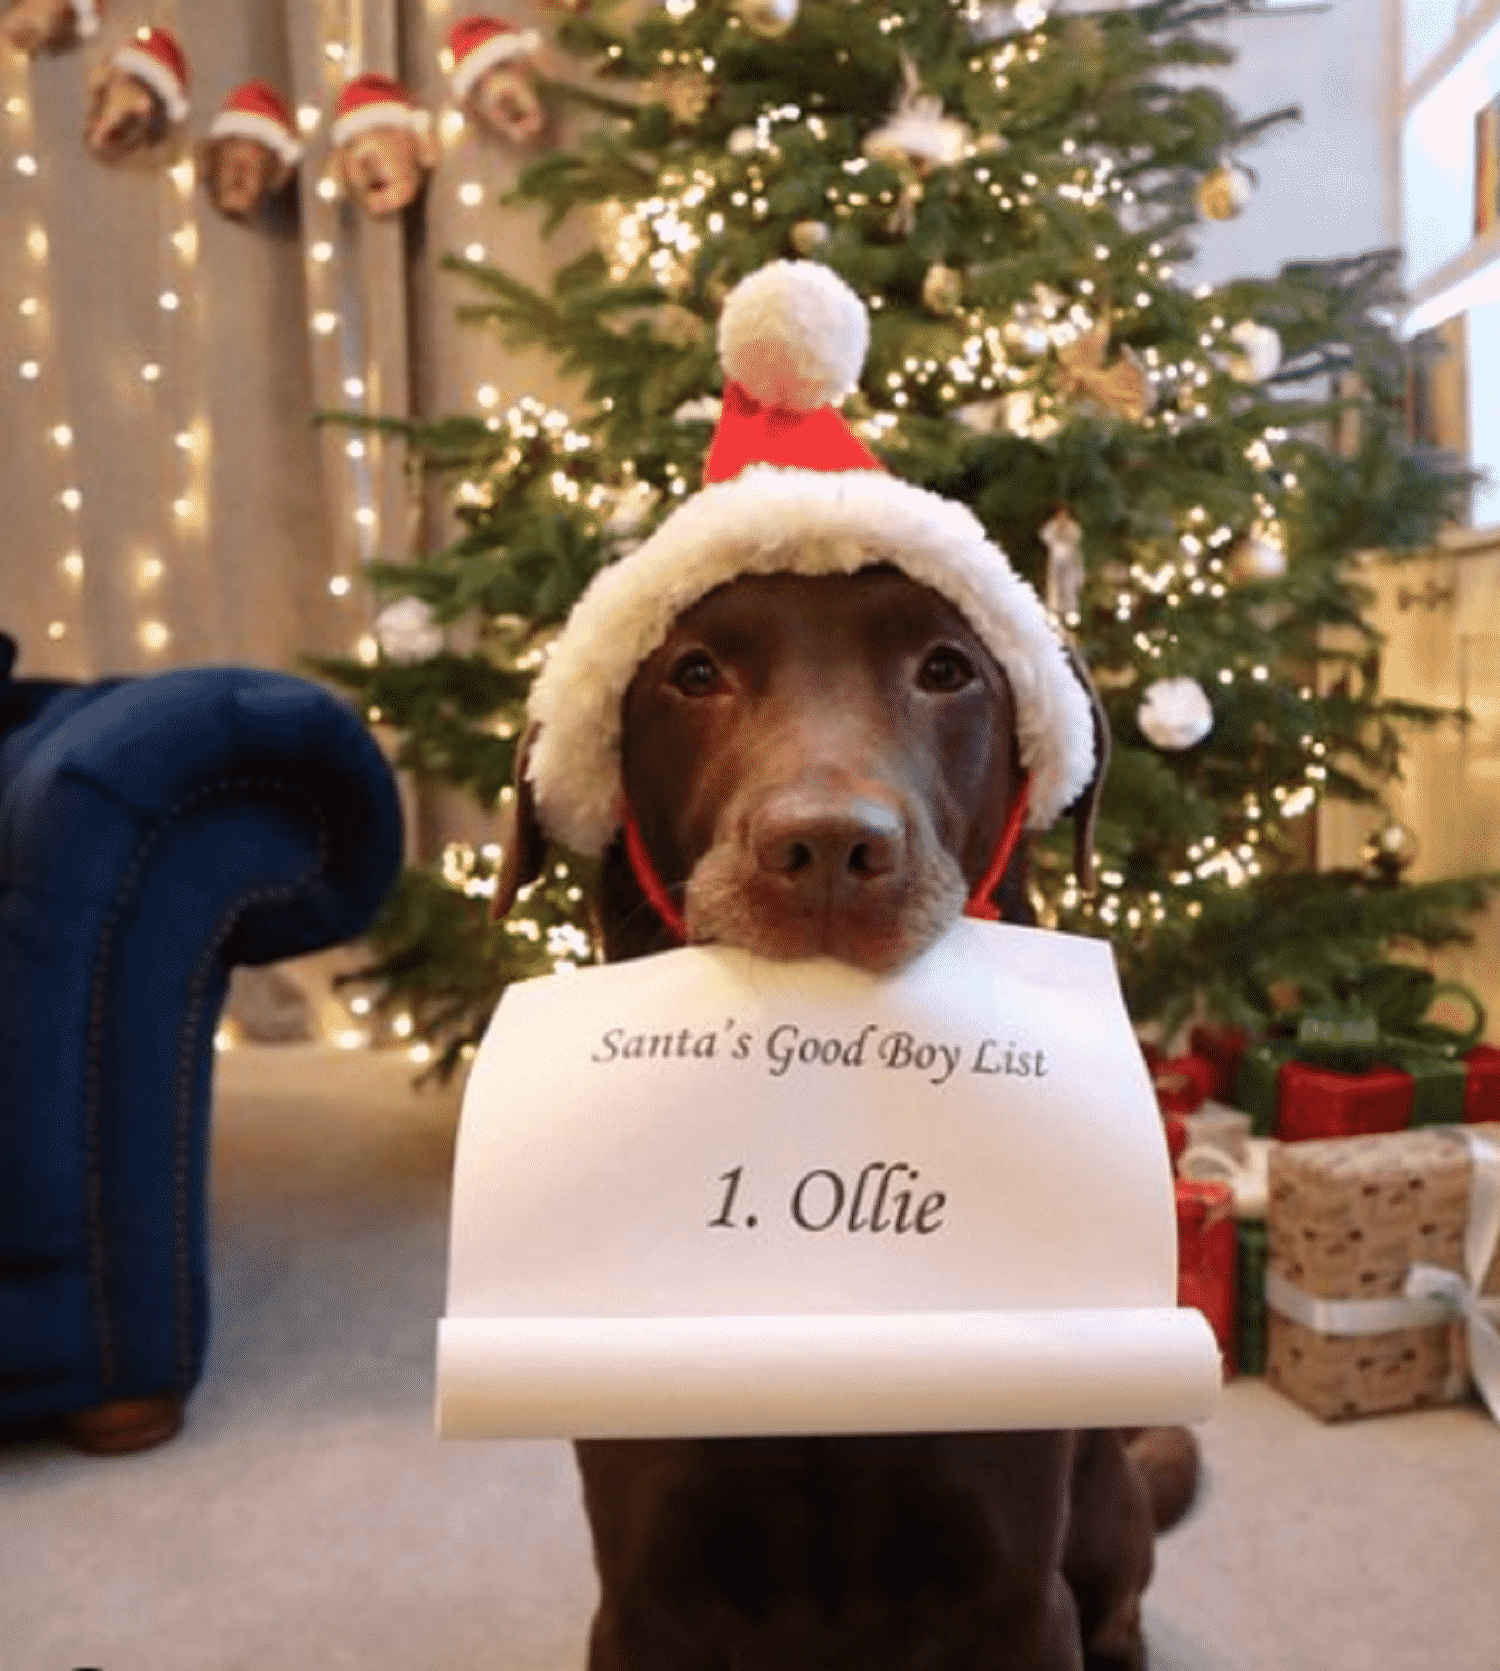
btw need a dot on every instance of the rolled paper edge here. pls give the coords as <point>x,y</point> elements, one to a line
<point>697,1377</point>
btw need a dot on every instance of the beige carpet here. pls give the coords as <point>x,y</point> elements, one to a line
<point>308,1520</point>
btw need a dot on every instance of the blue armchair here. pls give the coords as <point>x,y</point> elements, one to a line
<point>154,832</point>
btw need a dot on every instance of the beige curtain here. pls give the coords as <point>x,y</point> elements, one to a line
<point>167,499</point>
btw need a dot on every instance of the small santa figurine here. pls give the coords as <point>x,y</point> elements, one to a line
<point>138,95</point>
<point>384,144</point>
<point>494,76</point>
<point>33,26</point>
<point>251,151</point>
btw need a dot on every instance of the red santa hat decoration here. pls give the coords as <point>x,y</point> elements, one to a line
<point>791,489</point>
<point>477,44</point>
<point>255,110</point>
<point>376,101</point>
<point>153,56</point>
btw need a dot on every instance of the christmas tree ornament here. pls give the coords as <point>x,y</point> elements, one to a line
<point>1062,534</point>
<point>1123,388</point>
<point>704,410</point>
<point>1390,851</point>
<point>770,19</point>
<point>1174,714</point>
<point>407,632</point>
<point>494,75</point>
<point>251,151</point>
<point>1254,557</point>
<point>1259,354</point>
<point>1225,192</point>
<point>809,236</point>
<point>942,289</point>
<point>33,26</point>
<point>791,489</point>
<point>137,96</point>
<point>383,144</point>
<point>685,93</point>
<point>996,22</point>
<point>984,417</point>
<point>919,134</point>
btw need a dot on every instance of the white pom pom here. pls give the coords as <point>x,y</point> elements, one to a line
<point>794,334</point>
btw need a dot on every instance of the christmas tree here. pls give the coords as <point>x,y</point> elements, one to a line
<point>1189,475</point>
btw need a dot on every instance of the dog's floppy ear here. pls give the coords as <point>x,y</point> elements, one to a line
<point>1084,810</point>
<point>523,846</point>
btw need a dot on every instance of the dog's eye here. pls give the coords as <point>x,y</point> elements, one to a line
<point>945,669</point>
<point>695,674</point>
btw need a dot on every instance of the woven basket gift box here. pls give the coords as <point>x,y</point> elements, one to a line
<point>1347,1219</point>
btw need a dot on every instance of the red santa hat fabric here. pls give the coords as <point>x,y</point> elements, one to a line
<point>790,489</point>
<point>155,57</point>
<point>477,44</point>
<point>375,101</point>
<point>255,110</point>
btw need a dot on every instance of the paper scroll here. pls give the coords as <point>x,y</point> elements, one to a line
<point>704,1193</point>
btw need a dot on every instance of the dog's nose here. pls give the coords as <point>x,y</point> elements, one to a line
<point>823,846</point>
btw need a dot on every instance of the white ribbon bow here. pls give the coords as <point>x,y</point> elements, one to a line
<point>1461,1292</point>
<point>1249,1179</point>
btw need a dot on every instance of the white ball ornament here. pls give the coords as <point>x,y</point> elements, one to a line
<point>407,632</point>
<point>1259,354</point>
<point>808,236</point>
<point>1175,714</point>
<point>794,334</point>
<point>768,18</point>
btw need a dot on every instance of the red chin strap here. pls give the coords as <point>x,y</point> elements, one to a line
<point>979,904</point>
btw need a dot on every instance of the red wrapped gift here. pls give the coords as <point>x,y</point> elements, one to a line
<point>1482,1092</point>
<point>1177,1139</point>
<point>1221,1048</point>
<point>1183,1083</point>
<point>1207,1257</point>
<point>1314,1103</point>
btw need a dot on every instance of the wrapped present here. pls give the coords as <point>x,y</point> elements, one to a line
<point>1250,1317</point>
<point>1222,1150</point>
<point>1372,1063</point>
<point>1380,1252</point>
<point>1182,1083</point>
<point>1221,1049</point>
<point>1206,1257</point>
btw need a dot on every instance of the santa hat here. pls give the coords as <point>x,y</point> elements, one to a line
<point>375,101</point>
<point>477,44</point>
<point>255,110</point>
<point>791,490</point>
<point>153,56</point>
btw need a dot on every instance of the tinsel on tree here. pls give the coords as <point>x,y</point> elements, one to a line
<point>1188,474</point>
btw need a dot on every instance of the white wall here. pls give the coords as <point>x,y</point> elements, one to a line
<point>1328,185</point>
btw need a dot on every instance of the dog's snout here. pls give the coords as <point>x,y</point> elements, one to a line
<point>823,845</point>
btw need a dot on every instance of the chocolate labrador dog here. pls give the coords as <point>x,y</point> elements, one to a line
<point>823,765</point>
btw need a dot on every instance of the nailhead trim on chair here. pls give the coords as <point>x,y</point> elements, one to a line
<point>187,1037</point>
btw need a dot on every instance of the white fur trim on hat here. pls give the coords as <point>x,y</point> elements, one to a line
<point>770,520</point>
<point>250,124</point>
<point>498,49</point>
<point>386,113</point>
<point>794,334</point>
<point>157,77</point>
